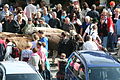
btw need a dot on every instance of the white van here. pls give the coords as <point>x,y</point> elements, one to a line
<point>18,70</point>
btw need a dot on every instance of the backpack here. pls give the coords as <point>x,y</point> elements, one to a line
<point>15,52</point>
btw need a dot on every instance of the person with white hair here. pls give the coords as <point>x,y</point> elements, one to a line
<point>68,26</point>
<point>58,10</point>
<point>90,29</point>
<point>5,11</point>
<point>85,24</point>
<point>54,22</point>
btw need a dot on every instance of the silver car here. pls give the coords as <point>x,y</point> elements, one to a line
<point>17,70</point>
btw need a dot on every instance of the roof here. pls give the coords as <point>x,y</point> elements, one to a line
<point>17,67</point>
<point>99,59</point>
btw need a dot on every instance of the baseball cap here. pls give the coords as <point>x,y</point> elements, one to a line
<point>112,3</point>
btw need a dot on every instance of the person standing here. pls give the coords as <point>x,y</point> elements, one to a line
<point>26,53</point>
<point>3,21</point>
<point>5,11</point>
<point>44,70</point>
<point>85,9</point>
<point>59,10</point>
<point>34,59</point>
<point>12,25</point>
<point>37,19</point>
<point>89,44</point>
<point>103,31</point>
<point>21,22</point>
<point>68,26</point>
<point>112,7</point>
<point>8,50</point>
<point>85,24</point>
<point>44,40</point>
<point>54,22</point>
<point>93,13</point>
<point>35,39</point>
<point>28,28</point>
<point>110,25</point>
<point>46,15</point>
<point>29,9</point>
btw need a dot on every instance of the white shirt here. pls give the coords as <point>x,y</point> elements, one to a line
<point>90,45</point>
<point>29,10</point>
<point>94,35</point>
<point>89,29</point>
<point>84,12</point>
<point>26,54</point>
<point>34,60</point>
<point>8,50</point>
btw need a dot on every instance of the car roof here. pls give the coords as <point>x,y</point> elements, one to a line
<point>17,67</point>
<point>98,59</point>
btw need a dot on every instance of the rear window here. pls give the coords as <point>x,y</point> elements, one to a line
<point>23,77</point>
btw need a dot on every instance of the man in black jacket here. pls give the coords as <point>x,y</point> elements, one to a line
<point>54,22</point>
<point>93,13</point>
<point>11,25</point>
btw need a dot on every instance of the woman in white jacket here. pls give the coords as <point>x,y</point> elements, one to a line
<point>8,50</point>
<point>35,59</point>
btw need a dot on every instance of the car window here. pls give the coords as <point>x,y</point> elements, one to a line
<point>23,77</point>
<point>104,73</point>
<point>77,68</point>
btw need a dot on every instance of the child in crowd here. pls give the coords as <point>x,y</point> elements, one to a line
<point>35,59</point>
<point>26,54</point>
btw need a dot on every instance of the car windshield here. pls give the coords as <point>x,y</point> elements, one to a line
<point>104,73</point>
<point>23,77</point>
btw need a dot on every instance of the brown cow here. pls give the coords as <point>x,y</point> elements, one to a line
<point>22,40</point>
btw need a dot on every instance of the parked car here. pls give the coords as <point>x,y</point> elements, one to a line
<point>92,65</point>
<point>17,70</point>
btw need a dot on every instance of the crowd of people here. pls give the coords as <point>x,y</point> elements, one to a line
<point>85,29</point>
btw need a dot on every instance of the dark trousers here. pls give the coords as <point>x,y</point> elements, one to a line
<point>111,41</point>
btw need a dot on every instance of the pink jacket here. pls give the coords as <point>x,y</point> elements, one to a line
<point>42,53</point>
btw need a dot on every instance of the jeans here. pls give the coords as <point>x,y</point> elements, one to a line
<point>110,41</point>
<point>104,41</point>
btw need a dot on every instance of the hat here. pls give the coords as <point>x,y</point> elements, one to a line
<point>6,5</point>
<point>112,3</point>
<point>29,19</point>
<point>94,20</point>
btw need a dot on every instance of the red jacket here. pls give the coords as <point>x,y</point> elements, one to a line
<point>110,24</point>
